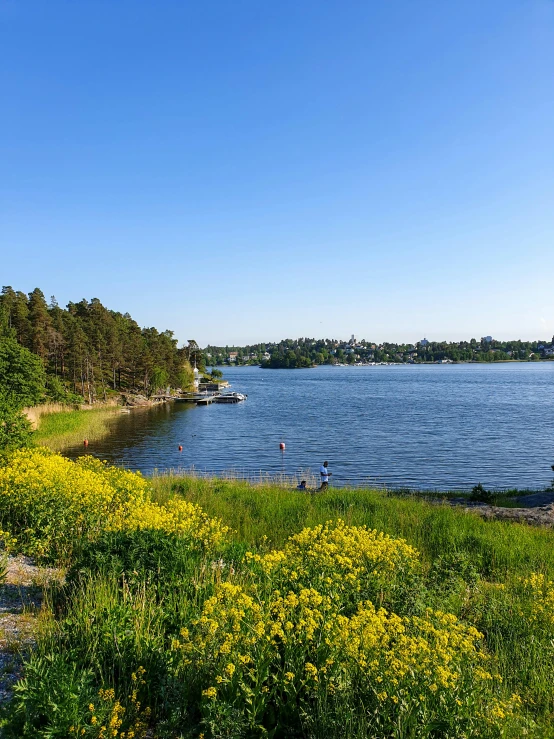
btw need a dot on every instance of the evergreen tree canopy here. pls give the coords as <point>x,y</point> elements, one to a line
<point>89,350</point>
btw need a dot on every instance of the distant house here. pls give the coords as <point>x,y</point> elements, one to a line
<point>233,356</point>
<point>423,342</point>
<point>267,356</point>
<point>549,351</point>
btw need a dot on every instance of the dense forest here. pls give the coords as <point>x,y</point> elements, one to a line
<point>89,352</point>
<point>305,352</point>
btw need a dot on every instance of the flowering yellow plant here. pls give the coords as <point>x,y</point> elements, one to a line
<point>256,648</point>
<point>540,595</point>
<point>344,562</point>
<point>51,503</point>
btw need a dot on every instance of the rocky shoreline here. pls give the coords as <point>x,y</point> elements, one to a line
<point>536,509</point>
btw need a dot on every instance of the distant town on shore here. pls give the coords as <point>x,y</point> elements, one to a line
<point>305,352</point>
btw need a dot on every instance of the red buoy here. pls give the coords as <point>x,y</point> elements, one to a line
<point>180,448</point>
<point>282,446</point>
<point>85,442</point>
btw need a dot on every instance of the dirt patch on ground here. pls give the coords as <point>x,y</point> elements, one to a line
<point>21,599</point>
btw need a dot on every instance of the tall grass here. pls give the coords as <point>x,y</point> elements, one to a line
<point>61,429</point>
<point>269,514</point>
<point>35,412</point>
<point>499,555</point>
<point>284,626</point>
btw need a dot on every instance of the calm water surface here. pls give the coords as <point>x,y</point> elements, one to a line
<point>422,427</point>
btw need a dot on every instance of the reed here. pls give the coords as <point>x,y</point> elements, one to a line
<point>34,413</point>
<point>60,429</point>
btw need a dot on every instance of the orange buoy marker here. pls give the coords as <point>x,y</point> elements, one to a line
<point>282,446</point>
<point>85,442</point>
<point>180,447</point>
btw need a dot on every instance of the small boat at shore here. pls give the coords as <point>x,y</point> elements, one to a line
<point>205,398</point>
<point>230,397</point>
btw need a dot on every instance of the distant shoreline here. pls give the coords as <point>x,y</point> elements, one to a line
<point>398,364</point>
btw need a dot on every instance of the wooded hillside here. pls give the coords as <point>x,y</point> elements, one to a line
<point>90,350</point>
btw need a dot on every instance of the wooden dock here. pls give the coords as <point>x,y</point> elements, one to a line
<point>203,398</point>
<point>207,400</point>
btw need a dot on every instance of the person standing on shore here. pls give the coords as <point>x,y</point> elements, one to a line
<point>325,474</point>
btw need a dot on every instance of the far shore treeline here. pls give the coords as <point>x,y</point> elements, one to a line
<point>305,352</point>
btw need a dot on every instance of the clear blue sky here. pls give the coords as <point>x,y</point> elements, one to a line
<point>254,170</point>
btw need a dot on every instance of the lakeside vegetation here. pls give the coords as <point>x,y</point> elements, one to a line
<point>86,353</point>
<point>213,608</point>
<point>90,352</point>
<point>65,428</point>
<point>305,352</point>
<point>201,608</point>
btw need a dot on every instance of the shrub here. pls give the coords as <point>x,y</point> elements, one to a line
<point>54,506</point>
<point>58,392</point>
<point>58,699</point>
<point>348,563</point>
<point>451,570</point>
<point>281,656</point>
<point>15,429</point>
<point>478,493</point>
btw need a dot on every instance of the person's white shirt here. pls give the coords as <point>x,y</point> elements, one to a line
<point>324,473</point>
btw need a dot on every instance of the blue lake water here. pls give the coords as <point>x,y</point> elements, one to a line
<point>417,426</point>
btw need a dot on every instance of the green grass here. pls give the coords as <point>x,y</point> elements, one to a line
<point>268,515</point>
<point>68,428</point>
<point>501,554</point>
<point>131,595</point>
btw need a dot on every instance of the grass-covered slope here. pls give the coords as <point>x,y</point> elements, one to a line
<point>59,430</point>
<point>219,609</point>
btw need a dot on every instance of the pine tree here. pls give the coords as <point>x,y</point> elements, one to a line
<point>39,323</point>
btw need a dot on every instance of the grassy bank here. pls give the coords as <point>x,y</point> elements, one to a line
<point>495,575</point>
<point>63,428</point>
<point>215,608</point>
<point>269,514</point>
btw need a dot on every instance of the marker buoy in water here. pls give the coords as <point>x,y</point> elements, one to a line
<point>282,446</point>
<point>180,448</point>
